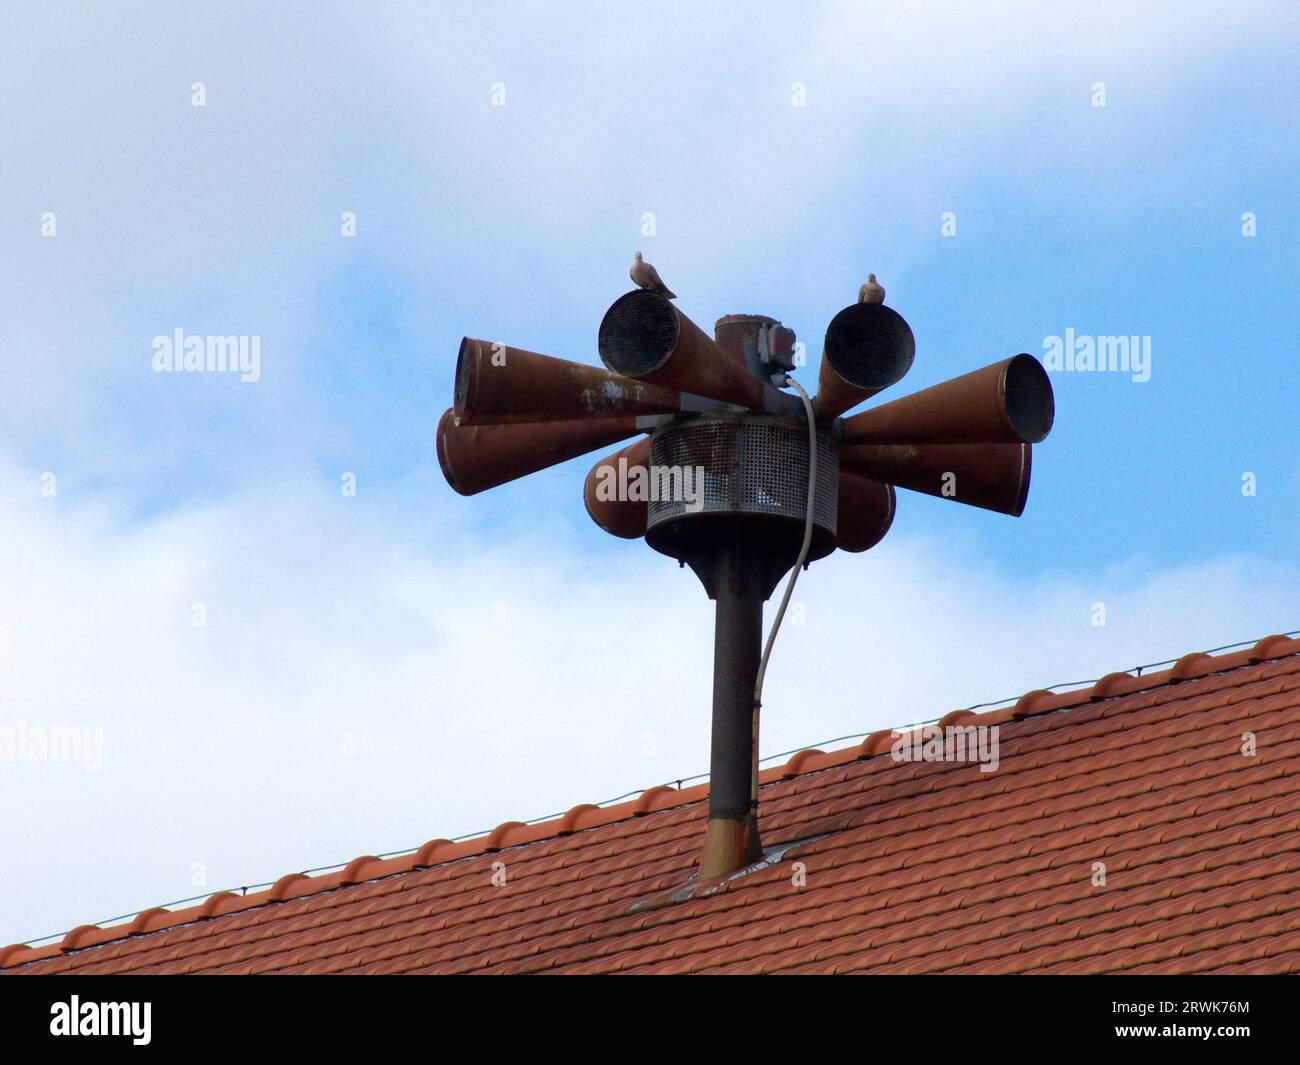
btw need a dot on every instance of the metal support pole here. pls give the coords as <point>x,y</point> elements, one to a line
<point>732,837</point>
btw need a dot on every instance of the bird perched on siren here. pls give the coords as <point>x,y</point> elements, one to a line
<point>871,292</point>
<point>645,276</point>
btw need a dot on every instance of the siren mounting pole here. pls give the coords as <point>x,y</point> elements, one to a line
<point>739,593</point>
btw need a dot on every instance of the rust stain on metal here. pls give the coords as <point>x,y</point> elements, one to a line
<point>1007,402</point>
<point>646,337</point>
<point>497,384</point>
<point>729,845</point>
<point>991,476</point>
<point>476,458</point>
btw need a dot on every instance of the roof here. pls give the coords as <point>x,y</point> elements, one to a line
<point>907,867</point>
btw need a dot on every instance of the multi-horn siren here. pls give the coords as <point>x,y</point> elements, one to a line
<point>724,482</point>
<point>868,347</point>
<point>497,384</point>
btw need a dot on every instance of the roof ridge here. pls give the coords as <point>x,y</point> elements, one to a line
<point>1191,666</point>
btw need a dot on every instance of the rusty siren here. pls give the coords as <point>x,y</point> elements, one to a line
<point>868,347</point>
<point>754,503</point>
<point>990,476</point>
<point>864,512</point>
<point>1007,402</point>
<point>476,458</point>
<point>624,518</point>
<point>497,384</point>
<point>645,337</point>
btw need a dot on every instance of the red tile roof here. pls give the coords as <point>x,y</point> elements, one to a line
<point>910,866</point>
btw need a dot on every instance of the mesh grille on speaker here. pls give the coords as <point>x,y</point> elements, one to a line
<point>752,465</point>
<point>870,345</point>
<point>637,333</point>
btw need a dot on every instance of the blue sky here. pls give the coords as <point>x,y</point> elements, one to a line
<point>350,691</point>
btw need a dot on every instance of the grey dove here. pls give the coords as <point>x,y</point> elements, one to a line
<point>645,276</point>
<point>871,292</point>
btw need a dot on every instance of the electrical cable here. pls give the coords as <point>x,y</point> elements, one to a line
<point>785,379</point>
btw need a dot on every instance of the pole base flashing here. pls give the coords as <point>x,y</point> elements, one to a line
<point>729,845</point>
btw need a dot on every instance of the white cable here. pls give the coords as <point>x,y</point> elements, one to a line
<point>803,551</point>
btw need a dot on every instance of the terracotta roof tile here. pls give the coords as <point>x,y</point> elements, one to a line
<point>910,867</point>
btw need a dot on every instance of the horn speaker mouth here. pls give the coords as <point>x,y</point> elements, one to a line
<point>870,346</point>
<point>1030,405</point>
<point>638,334</point>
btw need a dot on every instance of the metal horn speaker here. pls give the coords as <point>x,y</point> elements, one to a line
<point>1008,402</point>
<point>497,384</point>
<point>645,337</point>
<point>476,458</point>
<point>868,347</point>
<point>615,491</point>
<point>991,476</point>
<point>864,513</point>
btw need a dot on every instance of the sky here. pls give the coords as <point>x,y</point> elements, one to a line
<point>272,674</point>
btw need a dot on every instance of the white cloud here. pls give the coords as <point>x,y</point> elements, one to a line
<point>331,621</point>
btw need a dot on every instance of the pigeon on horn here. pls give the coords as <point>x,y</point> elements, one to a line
<point>645,276</point>
<point>871,292</point>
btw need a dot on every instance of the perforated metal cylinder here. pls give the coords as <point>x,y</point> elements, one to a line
<point>748,464</point>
